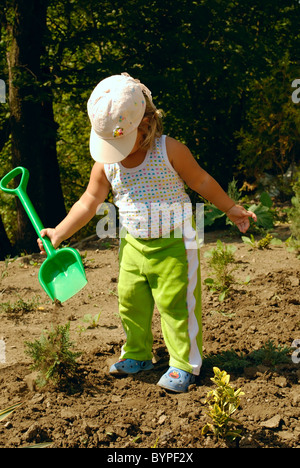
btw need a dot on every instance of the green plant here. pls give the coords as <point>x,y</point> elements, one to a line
<point>8,411</point>
<point>20,305</point>
<point>261,244</point>
<point>229,360</point>
<point>91,321</point>
<point>263,210</point>
<point>221,263</point>
<point>223,402</point>
<point>270,355</point>
<point>294,216</point>
<point>53,357</point>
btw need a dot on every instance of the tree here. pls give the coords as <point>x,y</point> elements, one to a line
<point>32,126</point>
<point>5,246</point>
<point>270,136</point>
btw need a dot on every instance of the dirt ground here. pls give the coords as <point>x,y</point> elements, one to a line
<point>133,412</point>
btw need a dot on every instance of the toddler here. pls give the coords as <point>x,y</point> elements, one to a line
<point>159,263</point>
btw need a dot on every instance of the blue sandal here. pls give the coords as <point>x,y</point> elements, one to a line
<point>176,380</point>
<point>130,366</point>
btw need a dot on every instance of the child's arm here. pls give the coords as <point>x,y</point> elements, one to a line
<point>82,211</point>
<point>201,182</point>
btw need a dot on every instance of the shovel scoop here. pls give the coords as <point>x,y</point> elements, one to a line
<point>62,274</point>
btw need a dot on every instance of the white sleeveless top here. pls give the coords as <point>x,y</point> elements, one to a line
<point>151,197</point>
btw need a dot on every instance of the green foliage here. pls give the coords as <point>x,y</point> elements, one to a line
<point>294,216</point>
<point>223,402</point>
<point>221,262</point>
<point>268,355</point>
<point>20,306</point>
<point>8,411</point>
<point>230,360</point>
<point>214,216</point>
<point>263,210</point>
<point>261,244</point>
<point>53,357</point>
<point>220,70</point>
<point>270,135</point>
<point>91,321</point>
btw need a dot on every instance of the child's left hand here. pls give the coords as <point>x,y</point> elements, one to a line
<point>239,216</point>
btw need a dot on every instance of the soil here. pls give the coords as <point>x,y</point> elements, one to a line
<point>133,412</point>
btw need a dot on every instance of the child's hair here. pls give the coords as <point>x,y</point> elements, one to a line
<point>152,127</point>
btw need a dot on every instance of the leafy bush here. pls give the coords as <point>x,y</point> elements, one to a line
<point>20,305</point>
<point>220,261</point>
<point>53,358</point>
<point>223,402</point>
<point>268,355</point>
<point>263,210</point>
<point>294,215</point>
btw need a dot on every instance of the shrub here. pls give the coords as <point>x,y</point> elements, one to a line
<point>53,358</point>
<point>221,263</point>
<point>295,215</point>
<point>223,402</point>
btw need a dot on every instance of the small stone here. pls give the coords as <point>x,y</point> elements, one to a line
<point>294,281</point>
<point>162,419</point>
<point>281,382</point>
<point>30,381</point>
<point>272,423</point>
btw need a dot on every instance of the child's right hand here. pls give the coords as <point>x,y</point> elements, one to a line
<point>52,234</point>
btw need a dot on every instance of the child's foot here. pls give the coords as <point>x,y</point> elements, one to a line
<point>176,380</point>
<point>130,366</point>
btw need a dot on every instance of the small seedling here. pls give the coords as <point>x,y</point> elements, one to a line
<point>20,306</point>
<point>261,244</point>
<point>91,321</point>
<point>53,357</point>
<point>221,262</point>
<point>270,354</point>
<point>85,260</point>
<point>223,401</point>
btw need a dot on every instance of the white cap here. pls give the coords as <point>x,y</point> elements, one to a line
<point>116,108</point>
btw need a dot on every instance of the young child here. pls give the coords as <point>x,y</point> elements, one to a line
<point>158,261</point>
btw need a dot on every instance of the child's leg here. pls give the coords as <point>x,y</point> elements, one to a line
<point>176,287</point>
<point>135,304</point>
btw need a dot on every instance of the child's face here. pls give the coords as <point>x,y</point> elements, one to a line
<point>139,138</point>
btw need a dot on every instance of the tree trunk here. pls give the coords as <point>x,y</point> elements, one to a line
<point>32,123</point>
<point>5,246</point>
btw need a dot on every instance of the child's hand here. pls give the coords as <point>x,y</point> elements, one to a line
<point>239,216</point>
<point>51,233</point>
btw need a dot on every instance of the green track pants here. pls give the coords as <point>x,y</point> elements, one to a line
<point>165,272</point>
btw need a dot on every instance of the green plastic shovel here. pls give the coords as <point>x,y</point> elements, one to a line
<point>62,274</point>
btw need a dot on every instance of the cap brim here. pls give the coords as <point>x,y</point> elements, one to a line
<point>111,151</point>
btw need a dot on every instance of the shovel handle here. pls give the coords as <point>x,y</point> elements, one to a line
<point>10,176</point>
<point>20,191</point>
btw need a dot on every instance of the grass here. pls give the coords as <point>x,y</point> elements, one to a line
<point>268,355</point>
<point>20,305</point>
